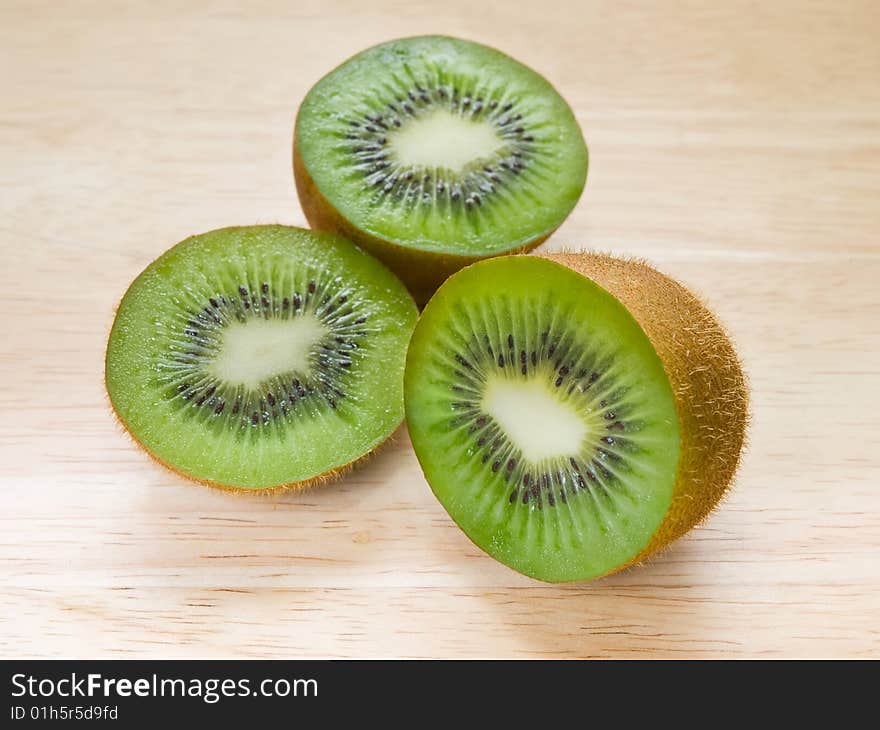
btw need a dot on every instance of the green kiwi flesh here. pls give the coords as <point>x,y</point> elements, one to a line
<point>260,357</point>
<point>440,145</point>
<point>542,418</point>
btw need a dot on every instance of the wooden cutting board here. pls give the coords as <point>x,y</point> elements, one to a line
<point>736,145</point>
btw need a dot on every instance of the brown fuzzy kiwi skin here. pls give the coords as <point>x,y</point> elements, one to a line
<point>421,271</point>
<point>295,487</point>
<point>711,391</point>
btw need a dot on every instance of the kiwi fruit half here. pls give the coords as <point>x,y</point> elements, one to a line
<point>260,357</point>
<point>573,413</point>
<point>433,152</point>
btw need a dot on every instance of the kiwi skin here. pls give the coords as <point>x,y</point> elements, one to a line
<point>421,271</point>
<point>710,388</point>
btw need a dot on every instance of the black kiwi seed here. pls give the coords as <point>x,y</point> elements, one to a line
<point>566,478</point>
<point>204,325</point>
<point>465,187</point>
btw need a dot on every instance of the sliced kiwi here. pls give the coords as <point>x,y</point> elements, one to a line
<point>260,357</point>
<point>433,152</point>
<point>575,415</point>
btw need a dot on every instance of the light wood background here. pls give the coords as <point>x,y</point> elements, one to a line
<point>736,145</point>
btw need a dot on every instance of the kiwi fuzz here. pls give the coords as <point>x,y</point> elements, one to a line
<point>704,370</point>
<point>421,271</point>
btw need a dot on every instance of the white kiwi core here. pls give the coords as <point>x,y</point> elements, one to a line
<point>252,351</point>
<point>534,419</point>
<point>442,139</point>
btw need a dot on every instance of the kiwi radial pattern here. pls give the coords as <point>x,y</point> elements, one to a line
<point>573,413</point>
<point>433,152</point>
<point>260,357</point>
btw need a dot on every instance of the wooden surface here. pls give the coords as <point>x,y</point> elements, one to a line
<point>736,145</point>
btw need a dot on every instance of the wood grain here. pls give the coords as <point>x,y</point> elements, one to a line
<point>736,145</point>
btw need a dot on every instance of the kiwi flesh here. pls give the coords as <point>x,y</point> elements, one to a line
<point>433,152</point>
<point>573,413</point>
<point>260,357</point>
